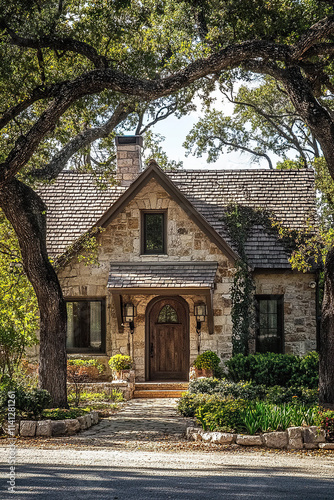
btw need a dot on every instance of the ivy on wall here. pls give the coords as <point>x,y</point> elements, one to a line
<point>239,221</point>
<point>84,248</point>
<point>306,248</point>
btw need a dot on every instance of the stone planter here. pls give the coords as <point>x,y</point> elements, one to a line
<point>203,372</point>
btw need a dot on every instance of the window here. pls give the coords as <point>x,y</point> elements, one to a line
<point>86,326</point>
<point>269,323</point>
<point>168,315</point>
<point>154,232</point>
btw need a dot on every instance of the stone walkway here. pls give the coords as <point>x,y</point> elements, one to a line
<point>139,420</point>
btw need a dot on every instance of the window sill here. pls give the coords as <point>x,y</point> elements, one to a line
<point>153,255</point>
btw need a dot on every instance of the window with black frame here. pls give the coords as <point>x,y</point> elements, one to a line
<point>154,232</point>
<point>86,326</point>
<point>269,323</point>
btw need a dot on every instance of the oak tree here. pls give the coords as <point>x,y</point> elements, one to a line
<point>71,71</point>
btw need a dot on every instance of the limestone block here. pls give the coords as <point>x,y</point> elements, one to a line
<point>223,438</point>
<point>43,428</point>
<point>58,427</point>
<point>247,440</point>
<point>72,426</point>
<point>95,417</point>
<point>83,423</point>
<point>196,436</point>
<point>5,428</point>
<point>206,436</point>
<point>314,435</point>
<point>295,436</point>
<point>27,428</point>
<point>326,446</point>
<point>88,420</point>
<point>275,439</point>
<point>190,431</point>
<point>311,446</point>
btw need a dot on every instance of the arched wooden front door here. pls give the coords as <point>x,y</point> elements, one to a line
<point>167,339</point>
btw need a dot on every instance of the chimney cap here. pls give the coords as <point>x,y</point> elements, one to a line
<point>129,139</point>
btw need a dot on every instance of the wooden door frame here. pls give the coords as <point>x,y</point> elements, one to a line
<point>149,308</point>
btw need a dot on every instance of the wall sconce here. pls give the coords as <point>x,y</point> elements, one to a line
<point>200,313</point>
<point>129,312</point>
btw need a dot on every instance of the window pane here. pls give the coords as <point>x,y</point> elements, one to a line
<point>269,325</point>
<point>154,233</point>
<point>168,315</point>
<point>70,325</point>
<point>95,324</point>
<point>272,306</point>
<point>263,306</point>
<point>84,325</point>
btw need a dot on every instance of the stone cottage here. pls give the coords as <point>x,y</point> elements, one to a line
<point>160,289</point>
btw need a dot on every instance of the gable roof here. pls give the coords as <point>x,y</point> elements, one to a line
<point>75,204</point>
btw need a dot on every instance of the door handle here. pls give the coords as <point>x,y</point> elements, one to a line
<point>151,350</point>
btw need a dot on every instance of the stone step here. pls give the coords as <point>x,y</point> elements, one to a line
<point>158,393</point>
<point>154,386</point>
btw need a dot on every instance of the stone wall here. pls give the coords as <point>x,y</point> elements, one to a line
<point>120,242</point>
<point>299,307</point>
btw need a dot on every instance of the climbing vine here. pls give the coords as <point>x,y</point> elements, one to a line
<point>306,248</point>
<point>84,248</point>
<point>239,221</point>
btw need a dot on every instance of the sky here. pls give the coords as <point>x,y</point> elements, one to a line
<point>175,131</point>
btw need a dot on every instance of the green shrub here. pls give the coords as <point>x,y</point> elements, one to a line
<point>221,415</point>
<point>208,360</point>
<point>225,388</point>
<point>29,402</point>
<point>293,395</point>
<point>238,415</point>
<point>275,369</point>
<point>306,372</point>
<point>189,403</point>
<point>62,414</point>
<point>325,419</point>
<point>87,363</point>
<point>120,362</point>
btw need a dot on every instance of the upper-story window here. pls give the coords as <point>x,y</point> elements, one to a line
<point>154,232</point>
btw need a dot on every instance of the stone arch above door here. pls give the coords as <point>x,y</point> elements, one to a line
<point>167,339</point>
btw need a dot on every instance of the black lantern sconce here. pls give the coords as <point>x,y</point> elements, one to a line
<point>200,314</point>
<point>129,312</point>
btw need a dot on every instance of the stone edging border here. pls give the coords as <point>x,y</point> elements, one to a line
<point>294,438</point>
<point>50,428</point>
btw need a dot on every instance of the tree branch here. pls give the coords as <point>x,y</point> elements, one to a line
<point>97,80</point>
<point>243,148</point>
<point>65,44</point>
<point>318,31</point>
<point>56,165</point>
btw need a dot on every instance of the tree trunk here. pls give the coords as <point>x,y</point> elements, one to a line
<point>326,348</point>
<point>27,213</point>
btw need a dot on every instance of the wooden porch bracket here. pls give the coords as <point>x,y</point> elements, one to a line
<point>209,304</point>
<point>118,307</point>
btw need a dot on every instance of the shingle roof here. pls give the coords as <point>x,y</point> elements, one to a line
<point>166,275</point>
<point>75,204</point>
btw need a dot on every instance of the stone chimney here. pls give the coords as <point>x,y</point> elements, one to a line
<point>129,166</point>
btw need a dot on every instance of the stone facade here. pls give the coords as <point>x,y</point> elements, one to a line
<point>120,242</point>
<point>299,307</point>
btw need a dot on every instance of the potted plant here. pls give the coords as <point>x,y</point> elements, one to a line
<point>206,364</point>
<point>118,363</point>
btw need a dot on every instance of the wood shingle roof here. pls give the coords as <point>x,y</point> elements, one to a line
<point>75,204</point>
